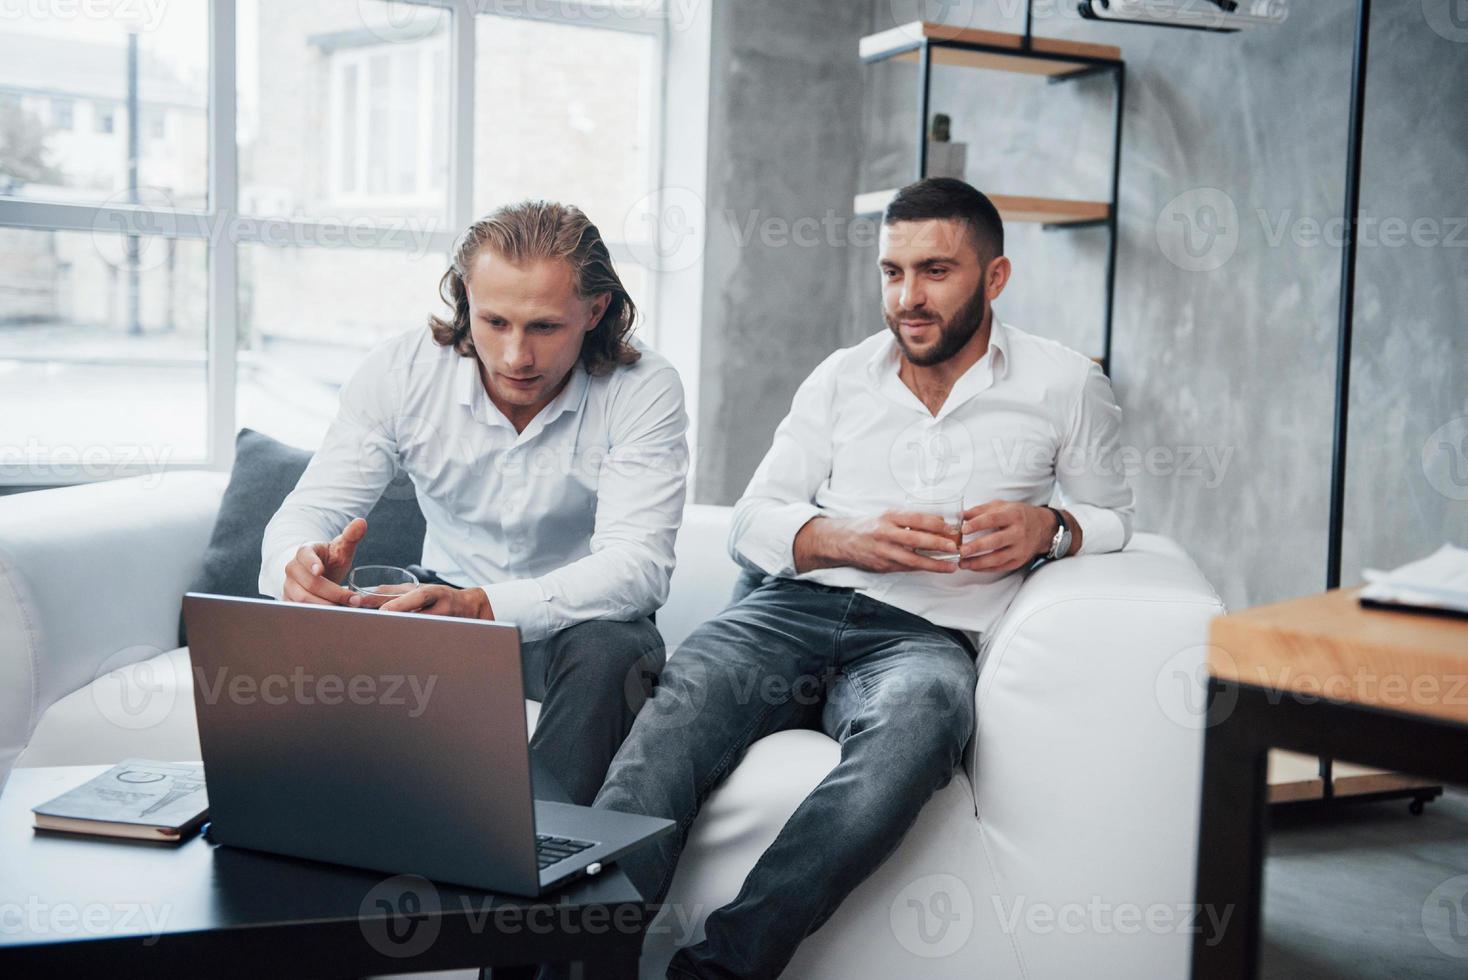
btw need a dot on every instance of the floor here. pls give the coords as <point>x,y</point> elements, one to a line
<point>1368,892</point>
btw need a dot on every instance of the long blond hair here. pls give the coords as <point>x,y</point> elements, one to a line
<point>533,230</point>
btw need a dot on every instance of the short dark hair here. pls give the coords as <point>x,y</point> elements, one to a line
<point>946,197</point>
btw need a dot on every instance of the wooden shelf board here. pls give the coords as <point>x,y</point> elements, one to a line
<point>890,44</point>
<point>1043,210</point>
<point>1349,779</point>
<point>1294,777</point>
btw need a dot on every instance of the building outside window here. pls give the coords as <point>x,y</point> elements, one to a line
<point>345,205</point>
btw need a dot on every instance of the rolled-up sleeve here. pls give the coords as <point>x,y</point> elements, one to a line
<point>779,500</point>
<point>357,459</point>
<point>641,485</point>
<point>1089,471</point>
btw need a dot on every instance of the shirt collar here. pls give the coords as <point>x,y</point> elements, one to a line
<point>994,364</point>
<point>472,395</point>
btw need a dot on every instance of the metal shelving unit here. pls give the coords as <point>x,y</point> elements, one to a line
<point>1061,61</point>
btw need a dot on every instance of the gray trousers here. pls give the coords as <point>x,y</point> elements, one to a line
<point>590,680</point>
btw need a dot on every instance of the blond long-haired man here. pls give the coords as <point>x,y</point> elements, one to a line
<point>549,455</point>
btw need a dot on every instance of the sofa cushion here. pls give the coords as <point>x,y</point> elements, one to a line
<point>264,472</point>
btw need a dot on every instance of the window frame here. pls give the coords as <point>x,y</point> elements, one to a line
<point>426,192</point>
<point>221,226</point>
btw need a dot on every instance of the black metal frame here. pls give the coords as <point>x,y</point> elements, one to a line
<point>1091,66</point>
<point>1244,723</point>
<point>1346,317</point>
<point>1345,325</point>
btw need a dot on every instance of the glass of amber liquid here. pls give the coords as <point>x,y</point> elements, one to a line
<point>947,506</point>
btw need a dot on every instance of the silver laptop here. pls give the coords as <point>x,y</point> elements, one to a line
<point>390,741</point>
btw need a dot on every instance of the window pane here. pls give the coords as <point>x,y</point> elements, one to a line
<point>565,113</point>
<point>69,98</point>
<point>330,96</point>
<point>99,364</point>
<point>308,314</point>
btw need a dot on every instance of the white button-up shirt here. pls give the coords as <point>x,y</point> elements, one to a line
<point>570,520</point>
<point>1029,415</point>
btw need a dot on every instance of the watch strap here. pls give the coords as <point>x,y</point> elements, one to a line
<point>1060,543</point>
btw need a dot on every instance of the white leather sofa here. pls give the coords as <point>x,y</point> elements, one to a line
<point>1064,849</point>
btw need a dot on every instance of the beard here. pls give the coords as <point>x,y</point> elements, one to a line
<point>953,333</point>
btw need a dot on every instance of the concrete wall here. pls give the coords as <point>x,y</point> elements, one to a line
<point>1224,337</point>
<point>784,145</point>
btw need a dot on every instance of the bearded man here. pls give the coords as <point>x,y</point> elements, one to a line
<point>879,586</point>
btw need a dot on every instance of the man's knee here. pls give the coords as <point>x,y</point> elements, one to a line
<point>616,656</point>
<point>930,720</point>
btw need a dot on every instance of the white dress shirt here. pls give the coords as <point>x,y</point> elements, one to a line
<point>571,520</point>
<point>1029,415</point>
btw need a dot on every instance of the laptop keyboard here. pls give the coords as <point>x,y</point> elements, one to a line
<point>550,849</point>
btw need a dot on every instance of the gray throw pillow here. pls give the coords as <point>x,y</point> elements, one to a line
<point>265,470</point>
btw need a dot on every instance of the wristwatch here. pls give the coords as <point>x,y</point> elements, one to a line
<point>1060,544</point>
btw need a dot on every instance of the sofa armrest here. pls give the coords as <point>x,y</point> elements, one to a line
<point>1087,759</point>
<point>92,575</point>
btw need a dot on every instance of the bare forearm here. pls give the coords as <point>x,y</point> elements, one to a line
<point>817,544</point>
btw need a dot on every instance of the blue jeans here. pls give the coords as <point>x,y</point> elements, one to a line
<point>896,691</point>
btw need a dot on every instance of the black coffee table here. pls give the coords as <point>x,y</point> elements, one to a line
<point>78,906</point>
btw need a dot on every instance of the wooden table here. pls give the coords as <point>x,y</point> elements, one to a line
<point>74,906</point>
<point>1321,676</point>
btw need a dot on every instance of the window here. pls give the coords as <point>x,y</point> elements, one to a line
<point>337,118</point>
<point>102,352</point>
<point>579,128</point>
<point>391,98</point>
<point>335,203</point>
